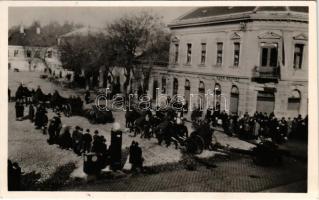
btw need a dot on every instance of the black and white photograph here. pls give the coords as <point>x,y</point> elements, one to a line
<point>158,99</point>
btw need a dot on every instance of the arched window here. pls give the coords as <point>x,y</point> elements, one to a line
<point>163,85</point>
<point>234,90</point>
<point>175,86</point>
<point>187,84</point>
<point>201,87</point>
<point>217,89</point>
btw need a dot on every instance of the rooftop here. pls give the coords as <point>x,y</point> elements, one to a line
<point>224,10</point>
<point>226,13</point>
<point>84,31</point>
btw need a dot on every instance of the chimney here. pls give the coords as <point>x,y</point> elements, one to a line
<point>38,30</point>
<point>21,29</point>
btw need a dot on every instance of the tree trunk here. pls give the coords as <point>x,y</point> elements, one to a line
<point>127,80</point>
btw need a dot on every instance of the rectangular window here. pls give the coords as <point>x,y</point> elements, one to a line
<point>219,53</point>
<point>269,55</point>
<point>236,53</point>
<point>203,54</point>
<point>176,53</point>
<point>16,52</point>
<point>28,53</point>
<point>189,53</point>
<point>298,55</point>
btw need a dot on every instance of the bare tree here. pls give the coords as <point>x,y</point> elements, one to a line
<point>132,38</point>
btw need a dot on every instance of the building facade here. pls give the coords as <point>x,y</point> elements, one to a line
<point>250,59</point>
<point>26,58</point>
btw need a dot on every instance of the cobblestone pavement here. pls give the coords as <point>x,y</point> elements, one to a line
<point>238,175</point>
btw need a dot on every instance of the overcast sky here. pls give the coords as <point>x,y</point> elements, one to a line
<point>94,16</point>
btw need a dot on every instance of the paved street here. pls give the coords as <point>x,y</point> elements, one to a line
<point>235,175</point>
<point>44,163</point>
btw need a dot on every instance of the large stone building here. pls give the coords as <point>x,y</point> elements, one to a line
<point>252,58</point>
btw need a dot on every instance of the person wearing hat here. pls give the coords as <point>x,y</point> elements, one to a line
<point>96,135</point>
<point>87,139</point>
<point>77,137</point>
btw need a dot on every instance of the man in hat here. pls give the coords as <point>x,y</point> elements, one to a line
<point>58,126</point>
<point>96,135</point>
<point>87,139</point>
<point>51,130</point>
<point>77,137</point>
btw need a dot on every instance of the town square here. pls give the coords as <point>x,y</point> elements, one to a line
<point>176,99</point>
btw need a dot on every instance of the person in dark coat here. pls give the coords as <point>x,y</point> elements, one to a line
<point>38,121</point>
<point>146,127</point>
<point>132,158</point>
<point>96,135</point>
<point>87,139</point>
<point>139,157</point>
<point>77,137</point>
<point>100,148</point>
<point>19,93</point>
<point>136,158</point>
<point>15,177</point>
<point>10,176</point>
<point>65,140</point>
<point>31,112</point>
<point>51,131</point>
<point>87,97</point>
<point>19,110</point>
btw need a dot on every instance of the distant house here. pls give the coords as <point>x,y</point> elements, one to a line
<point>23,56</point>
<point>28,58</point>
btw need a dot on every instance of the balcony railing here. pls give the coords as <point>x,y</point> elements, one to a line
<point>266,73</point>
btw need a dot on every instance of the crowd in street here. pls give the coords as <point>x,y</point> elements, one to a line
<point>260,125</point>
<point>75,139</point>
<point>166,125</point>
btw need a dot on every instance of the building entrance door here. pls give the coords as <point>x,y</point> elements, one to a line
<point>265,102</point>
<point>234,99</point>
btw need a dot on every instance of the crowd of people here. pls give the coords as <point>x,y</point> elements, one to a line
<point>29,97</point>
<point>260,125</point>
<point>75,139</point>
